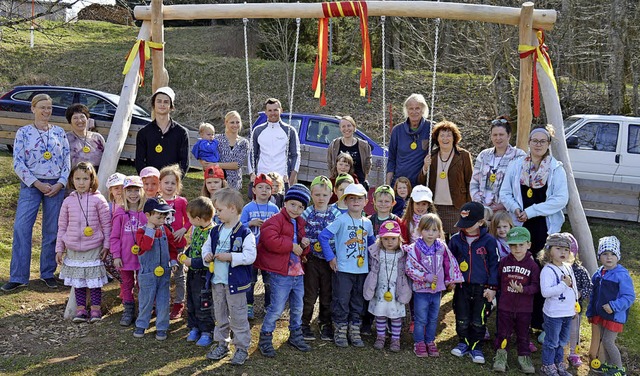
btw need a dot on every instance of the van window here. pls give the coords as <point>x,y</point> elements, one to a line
<point>598,136</point>
<point>323,132</point>
<point>634,139</point>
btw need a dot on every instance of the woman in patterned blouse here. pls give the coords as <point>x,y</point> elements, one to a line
<point>85,146</point>
<point>233,149</point>
<point>41,161</point>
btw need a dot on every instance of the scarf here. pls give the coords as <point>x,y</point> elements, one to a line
<point>532,177</point>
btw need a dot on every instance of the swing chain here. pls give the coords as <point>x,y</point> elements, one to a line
<point>245,21</point>
<point>433,88</point>
<point>384,99</point>
<point>295,63</point>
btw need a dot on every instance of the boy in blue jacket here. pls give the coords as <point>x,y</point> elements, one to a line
<point>477,254</point>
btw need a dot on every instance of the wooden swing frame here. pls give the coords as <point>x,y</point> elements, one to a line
<point>526,18</point>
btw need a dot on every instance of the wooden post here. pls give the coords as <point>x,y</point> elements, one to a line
<point>579,225</point>
<point>526,77</point>
<point>122,118</point>
<point>160,74</point>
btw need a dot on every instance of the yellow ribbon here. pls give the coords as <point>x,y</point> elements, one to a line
<point>142,48</point>
<point>541,56</point>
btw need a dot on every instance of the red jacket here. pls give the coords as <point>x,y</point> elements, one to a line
<point>146,243</point>
<point>276,243</point>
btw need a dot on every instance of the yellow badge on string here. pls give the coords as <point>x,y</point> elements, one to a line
<point>135,249</point>
<point>158,148</point>
<point>88,231</point>
<point>158,271</point>
<point>595,363</point>
<point>413,145</point>
<point>47,155</point>
<point>492,178</point>
<point>443,175</point>
<point>182,258</point>
<point>211,267</point>
<point>433,285</point>
<point>388,296</point>
<point>578,308</point>
<point>503,345</point>
<point>360,261</point>
<point>530,193</point>
<point>464,266</point>
<point>86,149</point>
<point>317,247</point>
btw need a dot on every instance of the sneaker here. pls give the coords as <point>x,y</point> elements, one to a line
<point>219,352</point>
<point>138,332</point>
<point>81,316</point>
<point>194,335</point>
<point>205,340</point>
<point>420,349</point>
<point>239,357</point>
<point>432,350</point>
<point>562,369</point>
<point>308,334</point>
<point>615,371</point>
<point>96,315</point>
<point>250,314</point>
<point>477,356</point>
<point>176,311</point>
<point>161,335</point>
<point>604,368</point>
<point>395,345</point>
<point>10,286</point>
<point>526,365</point>
<point>500,361</point>
<point>50,282</point>
<point>326,332</point>
<point>461,350</point>
<point>532,347</point>
<point>574,360</point>
<point>549,370</point>
<point>379,343</point>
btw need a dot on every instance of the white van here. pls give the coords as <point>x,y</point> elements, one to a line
<point>604,147</point>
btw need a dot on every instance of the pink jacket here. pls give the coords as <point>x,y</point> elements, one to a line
<point>179,219</point>
<point>421,268</point>
<point>123,236</point>
<point>403,289</point>
<point>72,222</point>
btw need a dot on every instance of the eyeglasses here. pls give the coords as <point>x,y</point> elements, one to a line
<point>538,142</point>
<point>497,122</point>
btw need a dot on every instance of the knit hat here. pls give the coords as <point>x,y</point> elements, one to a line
<point>157,204</point>
<point>299,193</point>
<point>342,178</point>
<point>518,235</point>
<point>354,190</point>
<point>389,228</point>
<point>115,179</point>
<point>609,244</point>
<point>166,90</point>
<point>213,172</point>
<point>385,189</point>
<point>263,178</point>
<point>149,171</point>
<point>470,214</point>
<point>322,180</point>
<point>558,240</point>
<point>574,243</point>
<point>133,181</point>
<point>421,193</point>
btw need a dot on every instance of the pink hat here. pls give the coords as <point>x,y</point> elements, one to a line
<point>133,181</point>
<point>389,228</point>
<point>574,243</point>
<point>149,171</point>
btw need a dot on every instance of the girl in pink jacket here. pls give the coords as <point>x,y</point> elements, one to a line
<point>124,249</point>
<point>84,227</point>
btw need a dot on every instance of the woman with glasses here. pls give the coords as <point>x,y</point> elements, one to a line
<point>491,165</point>
<point>535,191</point>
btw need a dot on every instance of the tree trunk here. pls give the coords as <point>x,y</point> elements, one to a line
<point>615,77</point>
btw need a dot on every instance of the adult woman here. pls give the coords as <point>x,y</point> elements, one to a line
<point>233,149</point>
<point>41,161</point>
<point>491,165</point>
<point>359,150</point>
<point>84,146</point>
<point>409,142</point>
<point>535,191</point>
<point>450,170</point>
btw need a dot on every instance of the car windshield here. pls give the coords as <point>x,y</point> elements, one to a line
<point>137,110</point>
<point>570,122</point>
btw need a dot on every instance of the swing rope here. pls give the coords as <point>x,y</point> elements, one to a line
<point>385,151</point>
<point>245,21</point>
<point>295,63</point>
<point>433,90</point>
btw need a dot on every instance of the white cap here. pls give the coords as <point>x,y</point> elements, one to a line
<point>115,179</point>
<point>166,90</point>
<point>149,171</point>
<point>355,190</point>
<point>421,193</point>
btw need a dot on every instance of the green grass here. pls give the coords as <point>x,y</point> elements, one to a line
<point>35,340</point>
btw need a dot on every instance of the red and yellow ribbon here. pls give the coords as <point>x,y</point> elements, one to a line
<point>341,9</point>
<point>541,55</point>
<point>142,48</point>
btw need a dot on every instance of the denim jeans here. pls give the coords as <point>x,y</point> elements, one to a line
<point>153,290</point>
<point>28,206</point>
<point>556,337</point>
<point>284,288</point>
<point>426,307</point>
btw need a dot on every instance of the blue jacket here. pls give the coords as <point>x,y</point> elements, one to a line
<point>615,288</point>
<point>404,161</point>
<point>240,276</point>
<point>481,257</point>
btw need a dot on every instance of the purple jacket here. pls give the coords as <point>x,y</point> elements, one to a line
<point>403,290</point>
<point>525,272</point>
<point>421,268</point>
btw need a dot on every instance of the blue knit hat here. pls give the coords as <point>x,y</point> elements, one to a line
<point>299,193</point>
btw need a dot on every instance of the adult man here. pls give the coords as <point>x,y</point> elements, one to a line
<point>162,142</point>
<point>275,146</point>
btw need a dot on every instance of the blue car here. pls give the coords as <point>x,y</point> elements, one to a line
<point>315,133</point>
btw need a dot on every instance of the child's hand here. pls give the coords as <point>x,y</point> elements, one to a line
<point>567,280</point>
<point>103,253</point>
<point>489,294</point>
<point>256,222</point>
<point>297,250</point>
<point>607,308</point>
<point>179,234</point>
<point>226,257</point>
<point>59,257</point>
<point>333,264</point>
<point>515,286</point>
<point>208,257</point>
<point>187,261</point>
<point>451,286</point>
<point>117,263</point>
<point>305,242</point>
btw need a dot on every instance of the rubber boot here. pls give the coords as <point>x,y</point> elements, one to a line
<point>128,315</point>
<point>354,335</point>
<point>340,335</point>
<point>265,344</point>
<point>296,339</point>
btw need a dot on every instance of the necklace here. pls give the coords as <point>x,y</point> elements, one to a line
<point>387,295</point>
<point>494,167</point>
<point>85,148</point>
<point>445,165</point>
<point>359,241</point>
<point>47,154</point>
<point>133,226</point>
<point>88,231</point>
<point>414,139</point>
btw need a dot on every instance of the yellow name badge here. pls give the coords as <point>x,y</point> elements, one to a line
<point>443,175</point>
<point>212,267</point>
<point>578,308</point>
<point>360,261</point>
<point>158,271</point>
<point>530,193</point>
<point>464,266</point>
<point>47,155</point>
<point>595,363</point>
<point>135,249</point>
<point>182,258</point>
<point>388,296</point>
<point>317,247</point>
<point>88,231</point>
<point>492,178</point>
<point>86,149</point>
<point>413,146</point>
<point>158,148</point>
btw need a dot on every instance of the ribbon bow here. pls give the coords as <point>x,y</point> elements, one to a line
<point>143,48</point>
<point>341,9</point>
<point>541,55</point>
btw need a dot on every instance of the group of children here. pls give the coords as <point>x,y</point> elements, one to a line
<point>384,267</point>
